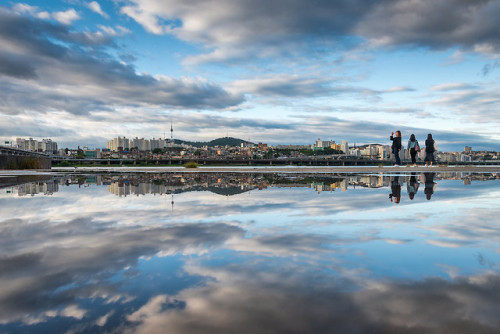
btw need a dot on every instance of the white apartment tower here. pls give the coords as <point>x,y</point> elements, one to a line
<point>345,147</point>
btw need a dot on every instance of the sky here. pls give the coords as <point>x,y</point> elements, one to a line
<point>278,72</point>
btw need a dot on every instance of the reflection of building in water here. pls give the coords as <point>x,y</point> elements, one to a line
<point>147,188</point>
<point>117,189</point>
<point>344,184</point>
<point>232,184</point>
<point>369,181</point>
<point>226,184</point>
<point>93,179</point>
<point>171,184</point>
<point>126,188</point>
<point>46,188</point>
<point>329,186</point>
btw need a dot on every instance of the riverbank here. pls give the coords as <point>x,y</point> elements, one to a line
<point>254,169</point>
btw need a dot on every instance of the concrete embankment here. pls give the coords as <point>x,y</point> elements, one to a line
<point>283,169</point>
<point>24,162</point>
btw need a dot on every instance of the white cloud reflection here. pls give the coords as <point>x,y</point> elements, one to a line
<point>286,259</point>
<point>244,299</point>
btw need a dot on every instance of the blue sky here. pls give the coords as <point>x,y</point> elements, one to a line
<point>280,72</point>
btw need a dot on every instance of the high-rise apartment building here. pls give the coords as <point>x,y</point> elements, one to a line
<point>46,145</point>
<point>344,147</point>
<point>324,143</point>
<point>140,144</point>
<point>118,144</point>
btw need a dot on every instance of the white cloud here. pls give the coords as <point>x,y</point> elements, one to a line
<point>73,311</point>
<point>286,85</point>
<point>24,8</point>
<point>456,58</point>
<point>43,15</point>
<point>94,6</point>
<point>473,102</point>
<point>148,20</point>
<point>398,89</point>
<point>238,296</point>
<point>117,31</point>
<point>452,86</point>
<point>31,10</point>
<point>155,305</point>
<point>104,319</point>
<point>66,17</point>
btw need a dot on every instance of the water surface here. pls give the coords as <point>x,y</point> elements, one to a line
<point>250,253</point>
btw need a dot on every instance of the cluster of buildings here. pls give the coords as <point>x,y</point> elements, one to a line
<point>121,144</point>
<point>322,144</point>
<point>123,147</point>
<point>33,145</point>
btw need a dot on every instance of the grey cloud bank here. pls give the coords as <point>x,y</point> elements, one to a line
<point>47,68</point>
<point>437,24</point>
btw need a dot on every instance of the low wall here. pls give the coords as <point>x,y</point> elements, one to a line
<point>22,162</point>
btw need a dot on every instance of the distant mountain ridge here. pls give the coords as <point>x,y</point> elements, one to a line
<point>224,141</point>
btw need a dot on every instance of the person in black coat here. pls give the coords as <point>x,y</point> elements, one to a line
<point>430,148</point>
<point>396,146</point>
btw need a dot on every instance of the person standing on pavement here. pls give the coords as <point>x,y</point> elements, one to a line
<point>414,148</point>
<point>396,146</point>
<point>430,148</point>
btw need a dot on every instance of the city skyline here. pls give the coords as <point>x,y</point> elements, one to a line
<point>29,144</point>
<point>82,72</point>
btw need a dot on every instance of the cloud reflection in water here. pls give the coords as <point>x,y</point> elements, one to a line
<point>281,259</point>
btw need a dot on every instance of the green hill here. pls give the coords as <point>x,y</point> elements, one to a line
<point>225,141</point>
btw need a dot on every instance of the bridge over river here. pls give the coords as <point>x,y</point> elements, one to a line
<point>57,161</point>
<point>312,161</point>
<point>11,158</point>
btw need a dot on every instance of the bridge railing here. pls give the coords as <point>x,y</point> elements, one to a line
<point>5,150</point>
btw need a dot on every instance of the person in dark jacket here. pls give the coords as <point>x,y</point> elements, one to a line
<point>430,148</point>
<point>396,146</point>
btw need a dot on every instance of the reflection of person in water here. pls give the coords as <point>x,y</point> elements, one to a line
<point>412,186</point>
<point>396,189</point>
<point>429,184</point>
